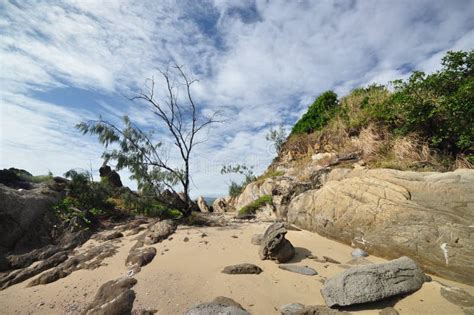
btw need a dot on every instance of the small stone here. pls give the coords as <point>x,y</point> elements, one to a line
<point>235,236</point>
<point>359,253</point>
<point>186,239</point>
<point>291,308</point>
<point>242,269</point>
<point>304,270</point>
<point>331,260</point>
<point>40,304</point>
<point>389,311</point>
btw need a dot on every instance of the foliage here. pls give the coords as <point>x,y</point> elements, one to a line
<point>145,205</point>
<point>277,137</point>
<point>236,189</point>
<point>252,207</point>
<point>318,114</point>
<point>69,214</point>
<point>88,194</point>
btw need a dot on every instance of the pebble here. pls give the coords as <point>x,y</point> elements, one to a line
<point>359,253</point>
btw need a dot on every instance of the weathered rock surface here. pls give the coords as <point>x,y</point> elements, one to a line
<point>242,269</point>
<point>160,231</point>
<point>304,270</point>
<point>221,205</point>
<point>457,296</point>
<point>113,297</point>
<point>26,218</point>
<point>275,246</point>
<point>219,306</point>
<point>140,257</point>
<point>202,204</point>
<point>373,282</point>
<point>300,309</point>
<point>390,213</point>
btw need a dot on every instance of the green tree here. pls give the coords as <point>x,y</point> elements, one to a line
<point>318,114</point>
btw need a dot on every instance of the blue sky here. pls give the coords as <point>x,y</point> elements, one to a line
<point>258,63</point>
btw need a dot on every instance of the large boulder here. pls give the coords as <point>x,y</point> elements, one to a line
<point>389,213</point>
<point>221,205</point>
<point>113,178</point>
<point>373,282</point>
<point>26,219</point>
<point>275,246</point>
<point>202,204</point>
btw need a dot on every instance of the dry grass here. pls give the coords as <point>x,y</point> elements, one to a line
<point>461,162</point>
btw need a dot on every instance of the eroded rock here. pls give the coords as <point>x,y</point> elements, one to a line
<point>242,269</point>
<point>220,305</point>
<point>202,204</point>
<point>113,297</point>
<point>140,257</point>
<point>304,270</point>
<point>160,231</point>
<point>373,282</point>
<point>275,246</point>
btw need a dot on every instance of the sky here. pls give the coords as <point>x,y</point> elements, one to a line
<point>259,64</point>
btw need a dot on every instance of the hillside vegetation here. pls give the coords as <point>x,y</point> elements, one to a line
<point>424,122</point>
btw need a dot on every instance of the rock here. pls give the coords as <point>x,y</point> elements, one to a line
<point>389,311</point>
<point>112,177</point>
<point>290,309</point>
<point>159,231</point>
<point>110,236</point>
<point>186,239</point>
<point>373,282</point>
<point>359,253</point>
<point>26,219</point>
<point>377,209</point>
<point>331,260</point>
<point>242,269</point>
<point>220,305</point>
<point>140,257</point>
<point>19,276</point>
<point>304,270</point>
<point>275,246</point>
<point>202,204</point>
<point>457,296</point>
<point>113,297</point>
<point>257,239</point>
<point>220,205</point>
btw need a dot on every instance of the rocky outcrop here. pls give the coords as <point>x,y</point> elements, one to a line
<point>139,257</point>
<point>275,246</point>
<point>113,297</point>
<point>427,216</point>
<point>282,189</point>
<point>111,176</point>
<point>221,205</point>
<point>220,305</point>
<point>202,204</point>
<point>26,219</point>
<point>373,282</point>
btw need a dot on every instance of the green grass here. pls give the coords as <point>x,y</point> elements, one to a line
<point>252,207</point>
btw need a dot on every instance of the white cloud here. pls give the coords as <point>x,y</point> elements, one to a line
<point>258,63</point>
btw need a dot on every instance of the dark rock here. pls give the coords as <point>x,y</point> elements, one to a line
<point>113,178</point>
<point>140,257</point>
<point>17,277</point>
<point>113,297</point>
<point>220,305</point>
<point>159,231</point>
<point>457,296</point>
<point>275,246</point>
<point>389,311</point>
<point>331,260</point>
<point>304,270</point>
<point>242,269</point>
<point>186,239</point>
<point>373,282</point>
<point>110,236</point>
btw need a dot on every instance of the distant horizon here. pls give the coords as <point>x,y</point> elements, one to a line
<point>259,64</point>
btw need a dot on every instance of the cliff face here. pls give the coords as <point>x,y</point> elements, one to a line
<point>390,213</point>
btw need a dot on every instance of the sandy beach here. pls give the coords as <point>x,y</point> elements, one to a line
<point>187,271</point>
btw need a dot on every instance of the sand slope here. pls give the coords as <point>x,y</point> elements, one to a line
<point>187,273</point>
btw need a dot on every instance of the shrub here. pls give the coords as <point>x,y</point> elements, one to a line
<point>252,207</point>
<point>318,114</point>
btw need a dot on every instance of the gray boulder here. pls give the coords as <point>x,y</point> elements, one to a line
<point>160,231</point>
<point>275,246</point>
<point>373,282</point>
<point>219,306</point>
<point>113,297</point>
